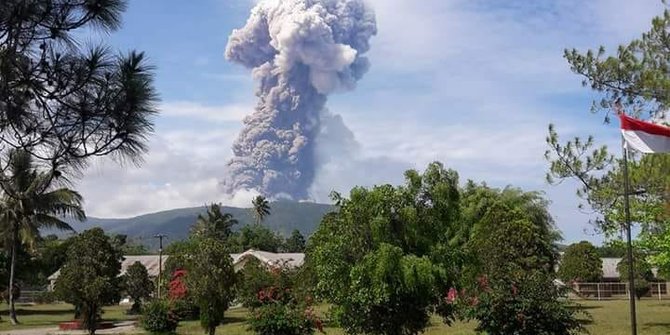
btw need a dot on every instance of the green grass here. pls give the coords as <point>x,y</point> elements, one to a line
<point>608,317</point>
<point>39,316</point>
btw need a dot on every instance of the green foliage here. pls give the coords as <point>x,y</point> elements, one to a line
<point>581,263</point>
<point>282,319</point>
<point>384,259</point>
<point>295,243</point>
<point>642,273</point>
<point>512,259</point>
<point>602,182</point>
<point>89,279</point>
<point>256,237</point>
<point>253,278</point>
<point>634,79</point>
<point>278,305</point>
<point>45,298</point>
<point>260,208</point>
<point>157,318</point>
<point>612,248</point>
<point>531,306</point>
<point>385,281</point>
<point>78,103</point>
<point>507,244</point>
<point>127,248</point>
<point>215,224</point>
<point>286,216</point>
<point>137,284</point>
<point>211,281</point>
<point>29,201</point>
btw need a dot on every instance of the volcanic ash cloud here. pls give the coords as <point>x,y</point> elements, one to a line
<point>299,51</point>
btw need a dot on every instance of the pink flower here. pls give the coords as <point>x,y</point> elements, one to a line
<point>452,295</point>
<point>483,282</point>
<point>474,301</point>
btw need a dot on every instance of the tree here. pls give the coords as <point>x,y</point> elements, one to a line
<point>256,237</point>
<point>89,279</point>
<point>295,243</point>
<point>215,224</point>
<point>508,245</point>
<point>30,202</point>
<point>63,104</point>
<point>121,242</point>
<point>581,263</point>
<point>383,259</point>
<point>509,281</point>
<point>260,209</point>
<point>641,270</point>
<point>635,79</point>
<point>211,280</point>
<point>138,285</point>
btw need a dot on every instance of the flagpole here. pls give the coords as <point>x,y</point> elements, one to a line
<point>631,272</point>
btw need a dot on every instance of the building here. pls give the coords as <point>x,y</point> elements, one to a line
<point>239,260</point>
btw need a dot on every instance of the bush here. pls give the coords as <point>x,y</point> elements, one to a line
<point>528,307</point>
<point>185,309</point>
<point>283,319</point>
<point>253,278</point>
<point>43,298</point>
<point>157,318</point>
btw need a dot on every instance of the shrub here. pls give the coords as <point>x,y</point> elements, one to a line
<point>45,298</point>
<point>157,318</point>
<point>254,277</point>
<point>185,309</point>
<point>528,307</point>
<point>283,319</point>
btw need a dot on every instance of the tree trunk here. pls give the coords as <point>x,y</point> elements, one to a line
<point>12,271</point>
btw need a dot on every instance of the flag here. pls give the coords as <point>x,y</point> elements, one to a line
<point>644,136</point>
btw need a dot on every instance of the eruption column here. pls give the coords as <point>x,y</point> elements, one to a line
<point>299,51</point>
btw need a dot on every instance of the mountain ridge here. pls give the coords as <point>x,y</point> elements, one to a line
<point>175,223</point>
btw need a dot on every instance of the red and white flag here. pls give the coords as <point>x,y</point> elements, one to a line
<point>644,136</point>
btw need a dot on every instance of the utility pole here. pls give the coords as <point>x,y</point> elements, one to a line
<point>160,238</point>
<point>631,272</point>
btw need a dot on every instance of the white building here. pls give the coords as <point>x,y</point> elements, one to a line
<point>239,261</point>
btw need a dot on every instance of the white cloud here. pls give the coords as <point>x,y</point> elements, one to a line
<point>470,83</point>
<point>193,110</point>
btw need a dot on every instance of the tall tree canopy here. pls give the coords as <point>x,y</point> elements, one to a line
<point>30,202</point>
<point>383,259</point>
<point>89,279</point>
<point>211,281</point>
<point>634,79</point>
<point>63,104</point>
<point>137,284</point>
<point>260,208</point>
<point>581,262</point>
<point>215,224</point>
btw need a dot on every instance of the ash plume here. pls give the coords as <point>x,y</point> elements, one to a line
<point>299,51</point>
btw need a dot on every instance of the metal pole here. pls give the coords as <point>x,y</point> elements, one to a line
<point>160,262</point>
<point>631,272</point>
<point>598,288</point>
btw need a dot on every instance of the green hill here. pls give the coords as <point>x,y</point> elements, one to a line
<point>285,217</point>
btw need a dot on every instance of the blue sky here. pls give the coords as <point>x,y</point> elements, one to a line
<point>473,84</point>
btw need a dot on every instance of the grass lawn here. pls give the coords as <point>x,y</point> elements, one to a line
<point>39,316</point>
<point>609,317</point>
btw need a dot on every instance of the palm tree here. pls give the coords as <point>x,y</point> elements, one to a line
<point>261,208</point>
<point>215,224</point>
<point>30,202</point>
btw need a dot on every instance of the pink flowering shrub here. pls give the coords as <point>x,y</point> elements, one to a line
<point>529,307</point>
<point>277,310</point>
